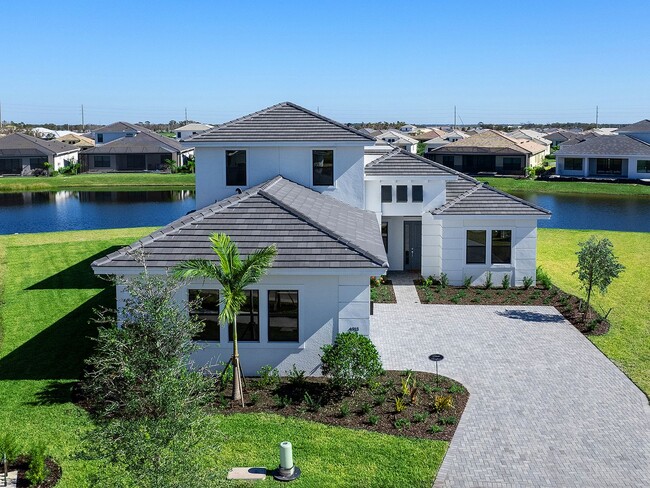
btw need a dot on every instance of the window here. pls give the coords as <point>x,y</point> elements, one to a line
<point>609,166</point>
<point>283,316</point>
<point>572,164</point>
<point>236,168</point>
<point>386,193</point>
<point>416,193</point>
<point>135,161</point>
<point>248,319</point>
<point>476,244</point>
<point>323,167</point>
<point>384,234</point>
<point>11,165</point>
<point>207,310</point>
<point>102,161</point>
<point>501,246</point>
<point>178,134</point>
<point>643,166</point>
<point>37,162</point>
<point>402,193</point>
<point>511,164</point>
<point>448,161</point>
<point>100,138</point>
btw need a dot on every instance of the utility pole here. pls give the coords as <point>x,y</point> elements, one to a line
<point>596,116</point>
<point>186,115</point>
<point>83,122</point>
<point>454,116</point>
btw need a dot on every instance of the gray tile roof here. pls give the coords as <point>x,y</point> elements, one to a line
<point>403,163</point>
<point>640,126</point>
<point>467,196</point>
<point>23,145</point>
<point>144,142</point>
<point>310,230</point>
<point>282,122</point>
<point>620,145</point>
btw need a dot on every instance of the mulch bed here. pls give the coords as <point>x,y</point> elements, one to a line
<point>22,465</point>
<point>370,408</point>
<point>568,305</point>
<point>382,291</point>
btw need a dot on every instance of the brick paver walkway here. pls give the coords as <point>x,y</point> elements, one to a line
<point>546,408</point>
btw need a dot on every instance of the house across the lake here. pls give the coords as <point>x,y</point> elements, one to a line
<point>21,154</point>
<point>189,130</point>
<point>127,147</point>
<point>340,210</point>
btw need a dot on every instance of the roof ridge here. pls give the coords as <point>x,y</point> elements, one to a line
<point>331,121</point>
<point>323,228</point>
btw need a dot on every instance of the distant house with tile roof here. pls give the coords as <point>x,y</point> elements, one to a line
<point>340,209</point>
<point>397,138</point>
<point>122,146</point>
<point>77,140</point>
<point>189,130</point>
<point>444,139</point>
<point>21,154</point>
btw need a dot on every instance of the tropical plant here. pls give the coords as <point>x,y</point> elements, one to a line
<point>488,280</point>
<point>47,166</point>
<point>235,275</point>
<point>505,281</point>
<point>37,471</point>
<point>528,282</point>
<point>543,278</point>
<point>597,266</point>
<point>9,447</point>
<point>467,281</point>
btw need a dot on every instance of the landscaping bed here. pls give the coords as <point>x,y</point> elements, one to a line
<point>21,464</point>
<point>568,305</point>
<point>371,408</point>
<point>381,290</point>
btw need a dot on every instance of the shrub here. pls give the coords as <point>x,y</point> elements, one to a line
<point>282,401</point>
<point>420,417</point>
<point>297,376</point>
<point>9,446</point>
<point>366,408</point>
<point>254,398</point>
<point>351,362</point>
<point>443,403</point>
<point>450,420</point>
<point>528,282</point>
<point>373,419</point>
<point>429,281</point>
<point>400,404</point>
<point>374,282</point>
<point>467,281</point>
<point>313,405</point>
<point>444,280</point>
<point>456,389</point>
<point>435,429</point>
<point>37,472</point>
<point>428,295</point>
<point>268,377</point>
<point>488,280</point>
<point>505,281</point>
<point>344,409</point>
<point>379,400</point>
<point>543,278</point>
<point>401,424</point>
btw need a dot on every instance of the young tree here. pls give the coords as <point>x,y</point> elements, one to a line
<point>235,275</point>
<point>597,266</point>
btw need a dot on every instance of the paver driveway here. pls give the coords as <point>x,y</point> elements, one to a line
<point>546,408</point>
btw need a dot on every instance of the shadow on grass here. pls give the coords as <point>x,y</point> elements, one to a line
<point>55,392</point>
<point>58,352</point>
<point>529,316</point>
<point>78,276</point>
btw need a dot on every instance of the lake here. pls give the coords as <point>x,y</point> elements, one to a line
<point>77,210</point>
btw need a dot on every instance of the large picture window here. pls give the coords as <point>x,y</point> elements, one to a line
<point>248,319</point>
<point>207,310</point>
<point>283,316</point>
<point>37,163</point>
<point>501,246</point>
<point>323,167</point>
<point>572,164</point>
<point>236,168</point>
<point>643,166</point>
<point>11,165</point>
<point>476,247</point>
<point>102,161</point>
<point>512,164</point>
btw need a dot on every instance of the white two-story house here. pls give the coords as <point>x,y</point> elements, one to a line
<point>339,210</point>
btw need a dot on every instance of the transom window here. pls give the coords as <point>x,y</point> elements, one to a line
<point>573,164</point>
<point>417,193</point>
<point>283,316</point>
<point>323,167</point>
<point>386,193</point>
<point>102,161</point>
<point>643,166</point>
<point>236,168</point>
<point>248,319</point>
<point>402,193</point>
<point>207,310</point>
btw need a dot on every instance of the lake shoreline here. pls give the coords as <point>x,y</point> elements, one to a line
<point>98,182</point>
<point>523,185</point>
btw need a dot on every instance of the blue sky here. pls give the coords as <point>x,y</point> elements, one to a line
<point>497,61</point>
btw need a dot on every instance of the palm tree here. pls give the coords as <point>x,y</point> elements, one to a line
<point>235,275</point>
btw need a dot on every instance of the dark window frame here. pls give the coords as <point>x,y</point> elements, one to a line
<point>384,235</point>
<point>234,178</point>
<point>241,334</point>
<point>207,334</point>
<point>470,247</point>
<point>269,317</point>
<point>317,172</point>
<point>495,249</point>
<point>514,163</point>
<point>386,196</point>
<point>403,198</point>
<point>645,166</point>
<point>417,196</point>
<point>104,158</point>
<point>571,164</point>
<point>100,138</point>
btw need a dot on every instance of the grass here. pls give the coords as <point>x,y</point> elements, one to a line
<point>539,186</point>
<point>48,292</point>
<point>103,181</point>
<point>628,341</point>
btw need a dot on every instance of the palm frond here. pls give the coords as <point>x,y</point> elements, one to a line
<point>257,264</point>
<point>227,252</point>
<point>196,268</point>
<point>232,302</point>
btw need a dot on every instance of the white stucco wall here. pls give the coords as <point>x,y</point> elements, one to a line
<point>293,161</point>
<point>630,164</point>
<point>59,161</point>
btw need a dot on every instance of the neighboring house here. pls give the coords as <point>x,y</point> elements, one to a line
<point>429,134</point>
<point>490,151</point>
<point>532,135</point>
<point>639,130</point>
<point>447,138</point>
<point>559,136</point>
<point>43,133</point>
<point>339,212</point>
<point>399,139</point>
<point>408,128</point>
<point>619,156</point>
<point>189,130</point>
<point>77,140</point>
<point>20,154</point>
<point>127,147</point>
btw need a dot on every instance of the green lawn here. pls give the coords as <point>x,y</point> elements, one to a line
<point>48,292</point>
<point>103,181</point>
<point>539,186</point>
<point>628,341</point>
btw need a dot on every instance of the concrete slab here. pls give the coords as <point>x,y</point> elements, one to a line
<point>247,474</point>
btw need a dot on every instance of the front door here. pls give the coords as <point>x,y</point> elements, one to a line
<point>412,245</point>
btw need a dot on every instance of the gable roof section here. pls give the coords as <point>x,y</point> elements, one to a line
<point>23,145</point>
<point>120,127</point>
<point>144,142</point>
<point>619,145</point>
<point>403,163</point>
<point>640,126</point>
<point>282,122</point>
<point>467,197</point>
<point>310,230</point>
<point>486,142</point>
<point>193,126</point>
